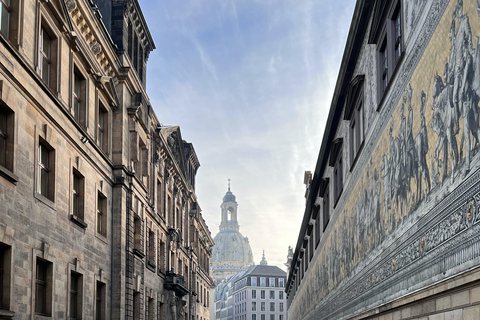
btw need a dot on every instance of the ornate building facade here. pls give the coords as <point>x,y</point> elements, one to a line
<point>391,224</point>
<point>98,213</point>
<point>231,253</point>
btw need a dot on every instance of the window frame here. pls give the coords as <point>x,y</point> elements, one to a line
<point>49,169</point>
<point>75,296</point>
<point>78,195</point>
<point>46,284</point>
<point>5,276</point>
<point>79,93</point>
<point>8,136</point>
<point>47,26</point>
<point>324,193</point>
<point>102,214</point>
<point>390,43</point>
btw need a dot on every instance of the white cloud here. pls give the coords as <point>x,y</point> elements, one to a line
<point>250,83</point>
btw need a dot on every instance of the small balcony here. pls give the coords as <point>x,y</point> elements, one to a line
<point>175,282</point>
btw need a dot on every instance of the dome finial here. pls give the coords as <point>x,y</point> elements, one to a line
<point>228,184</point>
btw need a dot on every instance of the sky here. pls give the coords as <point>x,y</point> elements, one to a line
<point>250,83</point>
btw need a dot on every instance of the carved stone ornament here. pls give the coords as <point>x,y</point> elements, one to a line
<point>71,5</point>
<point>96,47</point>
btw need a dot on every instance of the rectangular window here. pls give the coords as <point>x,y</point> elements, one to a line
<point>254,281</point>
<point>271,282</point>
<point>326,209</point>
<point>254,306</point>
<point>280,295</point>
<point>78,192</point>
<point>254,294</point>
<point>6,137</point>
<point>101,214</point>
<point>281,282</point>
<point>5,10</point>
<point>43,288</point>
<point>263,282</point>
<point>280,307</point>
<point>356,130</point>
<point>100,300</point>
<point>159,198</point>
<point>46,170</point>
<point>76,295</point>
<point>262,306</point>
<point>137,233</point>
<point>272,294</point>
<point>272,317</point>
<point>151,248</point>
<point>272,306</point>
<point>151,309</point>
<point>161,258</point>
<point>262,294</point>
<point>338,177</point>
<point>390,46</point>
<point>254,317</point>
<point>317,225</point>
<point>280,317</point>
<point>310,248</point>
<point>45,63</point>
<point>383,54</point>
<point>5,261</point>
<point>397,20</point>
<point>79,97</point>
<point>102,125</point>
<point>262,317</point>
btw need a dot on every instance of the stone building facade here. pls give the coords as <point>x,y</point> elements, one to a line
<point>391,224</point>
<point>98,213</point>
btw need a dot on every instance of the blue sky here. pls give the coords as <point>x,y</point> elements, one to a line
<point>250,83</point>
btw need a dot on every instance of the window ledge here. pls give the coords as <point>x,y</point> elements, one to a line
<point>9,175</point>
<point>151,266</point>
<point>160,272</point>
<point>101,237</point>
<point>45,200</point>
<point>6,314</point>
<point>138,253</point>
<point>78,221</point>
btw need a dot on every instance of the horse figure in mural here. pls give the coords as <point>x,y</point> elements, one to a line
<point>421,148</point>
<point>445,125</point>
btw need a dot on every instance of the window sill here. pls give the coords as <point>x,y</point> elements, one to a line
<point>6,314</point>
<point>151,266</point>
<point>138,253</point>
<point>45,200</point>
<point>9,175</point>
<point>101,237</point>
<point>78,221</point>
<point>160,272</point>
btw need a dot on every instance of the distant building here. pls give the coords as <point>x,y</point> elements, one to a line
<point>257,293</point>
<point>392,222</point>
<point>231,252</point>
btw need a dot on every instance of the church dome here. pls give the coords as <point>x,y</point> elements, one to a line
<point>231,250</point>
